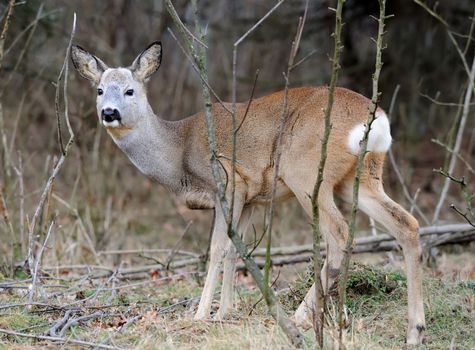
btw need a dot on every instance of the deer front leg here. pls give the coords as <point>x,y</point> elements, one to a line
<point>221,246</point>
<point>227,291</point>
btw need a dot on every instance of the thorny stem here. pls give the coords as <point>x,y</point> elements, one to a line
<point>468,215</point>
<point>317,258</point>
<point>363,148</point>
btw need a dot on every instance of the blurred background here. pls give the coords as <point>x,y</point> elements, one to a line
<point>101,202</point>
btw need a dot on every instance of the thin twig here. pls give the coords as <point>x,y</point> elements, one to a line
<point>458,142</point>
<point>197,70</point>
<point>319,311</point>
<point>174,250</point>
<point>258,23</point>
<point>3,35</point>
<point>59,164</point>
<point>363,148</point>
<point>405,190</point>
<point>278,153</point>
<point>248,106</point>
<point>26,45</point>
<point>34,273</point>
<point>459,156</point>
<point>449,33</point>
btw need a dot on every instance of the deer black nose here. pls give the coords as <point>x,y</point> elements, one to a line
<point>109,115</point>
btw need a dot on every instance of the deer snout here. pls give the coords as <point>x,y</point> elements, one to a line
<point>110,115</point>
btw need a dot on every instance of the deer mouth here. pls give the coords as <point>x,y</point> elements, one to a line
<point>112,124</point>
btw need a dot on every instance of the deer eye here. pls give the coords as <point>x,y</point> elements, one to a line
<point>100,92</point>
<point>129,92</point>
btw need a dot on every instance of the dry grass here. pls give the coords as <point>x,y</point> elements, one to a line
<point>376,305</point>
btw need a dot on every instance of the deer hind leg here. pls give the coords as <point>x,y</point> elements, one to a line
<point>221,245</point>
<point>400,224</point>
<point>227,291</point>
<point>334,230</point>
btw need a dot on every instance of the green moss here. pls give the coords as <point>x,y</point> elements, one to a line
<point>364,283</point>
<point>19,321</point>
<point>377,305</point>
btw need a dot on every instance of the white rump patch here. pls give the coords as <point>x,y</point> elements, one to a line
<point>379,139</point>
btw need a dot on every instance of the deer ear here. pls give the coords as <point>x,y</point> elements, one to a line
<point>147,62</point>
<point>87,65</point>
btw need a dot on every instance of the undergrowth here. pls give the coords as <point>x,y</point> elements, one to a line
<point>376,307</point>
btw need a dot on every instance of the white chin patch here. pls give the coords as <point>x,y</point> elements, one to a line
<point>112,124</point>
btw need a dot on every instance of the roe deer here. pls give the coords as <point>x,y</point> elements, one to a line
<point>176,154</point>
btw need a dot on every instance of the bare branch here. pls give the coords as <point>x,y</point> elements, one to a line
<point>363,148</point>
<point>458,141</point>
<point>61,160</point>
<point>319,311</point>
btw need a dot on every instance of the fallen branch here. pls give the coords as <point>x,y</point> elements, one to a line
<point>76,320</point>
<point>150,250</point>
<point>58,339</point>
<point>445,234</point>
<point>60,323</point>
<point>369,240</point>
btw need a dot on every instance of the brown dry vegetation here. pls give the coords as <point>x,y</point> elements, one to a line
<point>100,201</point>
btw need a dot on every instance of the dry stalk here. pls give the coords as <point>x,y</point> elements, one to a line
<point>3,36</point>
<point>6,217</point>
<point>319,315</point>
<point>64,70</point>
<point>363,147</point>
<point>34,273</point>
<point>278,153</point>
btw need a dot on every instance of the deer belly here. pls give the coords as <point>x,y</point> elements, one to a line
<point>198,200</point>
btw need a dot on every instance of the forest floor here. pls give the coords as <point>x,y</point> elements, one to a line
<point>156,313</point>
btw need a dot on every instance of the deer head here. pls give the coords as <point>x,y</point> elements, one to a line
<point>121,102</point>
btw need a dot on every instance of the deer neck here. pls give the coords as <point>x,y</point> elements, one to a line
<point>155,147</point>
